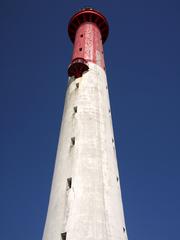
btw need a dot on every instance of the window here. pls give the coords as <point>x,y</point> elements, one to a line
<point>73,140</point>
<point>77,85</point>
<point>117,179</point>
<point>69,183</point>
<point>124,229</point>
<point>63,236</point>
<point>75,109</point>
<point>81,35</point>
<point>80,49</point>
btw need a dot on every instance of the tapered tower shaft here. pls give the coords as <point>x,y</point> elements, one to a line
<point>85,201</point>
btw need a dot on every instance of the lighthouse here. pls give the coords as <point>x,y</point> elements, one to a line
<point>85,200</point>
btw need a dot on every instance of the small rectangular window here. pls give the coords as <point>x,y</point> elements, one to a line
<point>73,140</point>
<point>77,85</point>
<point>69,183</point>
<point>63,235</point>
<point>75,109</point>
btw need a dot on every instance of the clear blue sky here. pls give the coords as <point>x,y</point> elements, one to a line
<point>143,69</point>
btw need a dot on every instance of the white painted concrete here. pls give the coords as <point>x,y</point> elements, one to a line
<point>92,208</point>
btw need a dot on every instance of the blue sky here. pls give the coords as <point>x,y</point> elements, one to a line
<point>143,69</point>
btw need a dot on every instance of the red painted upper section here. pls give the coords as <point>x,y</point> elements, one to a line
<point>88,15</point>
<point>88,44</point>
<point>88,29</point>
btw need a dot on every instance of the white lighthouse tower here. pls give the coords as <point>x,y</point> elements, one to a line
<point>85,201</point>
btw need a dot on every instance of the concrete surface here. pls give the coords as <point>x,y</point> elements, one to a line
<point>91,208</point>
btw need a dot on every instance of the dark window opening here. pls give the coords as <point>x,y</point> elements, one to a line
<point>69,183</point>
<point>80,49</point>
<point>117,179</point>
<point>112,140</point>
<point>124,229</point>
<point>81,35</point>
<point>73,140</point>
<point>77,85</point>
<point>75,109</point>
<point>63,236</point>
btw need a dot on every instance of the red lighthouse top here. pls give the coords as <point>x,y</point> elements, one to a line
<point>88,30</point>
<point>88,15</point>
